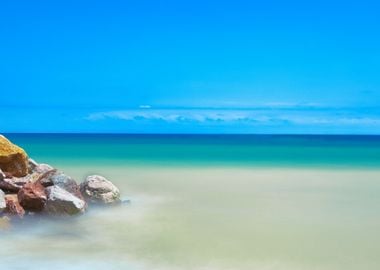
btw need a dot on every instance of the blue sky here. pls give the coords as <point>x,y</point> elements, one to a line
<point>190,66</point>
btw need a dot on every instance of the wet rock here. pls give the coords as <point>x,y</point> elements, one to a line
<point>32,197</point>
<point>97,189</point>
<point>13,206</point>
<point>62,202</point>
<point>67,183</point>
<point>13,159</point>
<point>3,204</point>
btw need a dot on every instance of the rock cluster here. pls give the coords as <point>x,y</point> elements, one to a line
<point>27,187</point>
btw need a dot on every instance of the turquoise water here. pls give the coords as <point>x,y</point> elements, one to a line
<point>210,203</point>
<point>224,150</point>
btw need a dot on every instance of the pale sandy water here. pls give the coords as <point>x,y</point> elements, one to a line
<point>213,218</point>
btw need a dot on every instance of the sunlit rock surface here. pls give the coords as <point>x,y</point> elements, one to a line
<point>13,158</point>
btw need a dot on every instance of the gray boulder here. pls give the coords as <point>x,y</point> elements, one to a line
<point>97,189</point>
<point>65,182</point>
<point>62,202</point>
<point>3,204</point>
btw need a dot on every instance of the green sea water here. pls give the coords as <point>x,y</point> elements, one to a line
<point>210,202</point>
<point>207,150</point>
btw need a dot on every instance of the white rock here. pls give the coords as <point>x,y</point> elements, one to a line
<point>97,189</point>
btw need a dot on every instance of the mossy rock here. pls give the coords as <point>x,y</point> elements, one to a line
<point>13,158</point>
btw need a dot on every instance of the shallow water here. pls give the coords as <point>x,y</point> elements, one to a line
<point>209,216</point>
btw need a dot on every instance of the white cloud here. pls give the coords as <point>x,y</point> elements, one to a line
<point>230,116</point>
<point>173,115</point>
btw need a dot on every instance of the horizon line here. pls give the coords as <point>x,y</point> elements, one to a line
<point>187,134</point>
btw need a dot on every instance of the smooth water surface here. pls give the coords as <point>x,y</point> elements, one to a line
<point>210,202</point>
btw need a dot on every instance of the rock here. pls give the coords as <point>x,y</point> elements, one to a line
<point>42,168</point>
<point>29,178</point>
<point>31,165</point>
<point>12,185</point>
<point>41,173</point>
<point>13,159</point>
<point>67,183</point>
<point>8,175</point>
<point>32,197</point>
<point>2,175</point>
<point>44,173</point>
<point>13,206</point>
<point>97,189</point>
<point>3,204</point>
<point>62,202</point>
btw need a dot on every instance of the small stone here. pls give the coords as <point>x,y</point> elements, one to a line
<point>32,197</point>
<point>13,206</point>
<point>13,159</point>
<point>97,189</point>
<point>62,202</point>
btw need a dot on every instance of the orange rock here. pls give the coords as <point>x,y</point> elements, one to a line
<point>13,159</point>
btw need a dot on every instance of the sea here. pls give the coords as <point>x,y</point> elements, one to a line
<point>209,202</point>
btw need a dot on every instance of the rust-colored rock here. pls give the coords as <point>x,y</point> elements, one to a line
<point>13,159</point>
<point>32,197</point>
<point>13,206</point>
